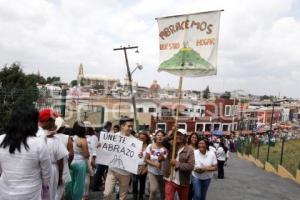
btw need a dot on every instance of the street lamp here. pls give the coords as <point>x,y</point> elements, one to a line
<point>129,74</point>
<point>138,66</point>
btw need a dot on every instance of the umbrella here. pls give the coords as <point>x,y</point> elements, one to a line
<point>218,133</point>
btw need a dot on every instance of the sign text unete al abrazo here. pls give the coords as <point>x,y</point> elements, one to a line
<point>119,151</point>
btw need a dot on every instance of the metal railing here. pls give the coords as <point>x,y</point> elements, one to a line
<point>282,151</point>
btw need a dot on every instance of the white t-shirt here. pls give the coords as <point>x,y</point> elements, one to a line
<point>154,154</point>
<point>63,138</point>
<point>220,153</point>
<point>24,172</point>
<point>66,174</point>
<point>212,149</point>
<point>92,141</point>
<point>207,160</point>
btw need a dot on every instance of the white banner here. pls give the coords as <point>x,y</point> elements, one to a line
<point>118,151</point>
<point>189,44</point>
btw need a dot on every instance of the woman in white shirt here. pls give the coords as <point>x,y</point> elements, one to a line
<point>156,153</point>
<point>205,164</point>
<point>24,158</point>
<point>221,157</point>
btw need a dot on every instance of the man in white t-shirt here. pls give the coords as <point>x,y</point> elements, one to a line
<point>57,150</point>
<point>115,174</point>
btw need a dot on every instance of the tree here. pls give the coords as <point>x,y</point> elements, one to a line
<point>53,80</point>
<point>73,83</point>
<point>34,78</point>
<point>265,97</point>
<point>206,93</point>
<point>16,89</point>
<point>226,95</point>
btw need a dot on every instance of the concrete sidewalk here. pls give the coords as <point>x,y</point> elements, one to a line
<point>244,181</point>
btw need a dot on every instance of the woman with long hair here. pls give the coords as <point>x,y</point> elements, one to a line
<point>142,169</point>
<point>79,167</point>
<point>193,140</point>
<point>156,153</point>
<point>221,153</point>
<point>205,164</point>
<point>24,158</point>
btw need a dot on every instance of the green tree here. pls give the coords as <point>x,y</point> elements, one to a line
<point>16,89</point>
<point>226,95</point>
<point>73,83</point>
<point>206,93</point>
<point>53,80</point>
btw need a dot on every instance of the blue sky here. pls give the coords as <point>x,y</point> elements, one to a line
<point>258,49</point>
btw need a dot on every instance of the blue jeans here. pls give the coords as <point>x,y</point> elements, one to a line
<point>200,188</point>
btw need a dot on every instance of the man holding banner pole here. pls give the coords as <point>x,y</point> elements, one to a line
<point>188,47</point>
<point>178,179</point>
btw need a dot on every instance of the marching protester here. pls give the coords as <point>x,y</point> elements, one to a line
<point>116,128</point>
<point>68,143</point>
<point>205,164</point>
<point>101,170</point>
<point>79,167</point>
<point>120,175</point>
<point>221,157</point>
<point>156,153</point>
<point>140,178</point>
<point>193,143</point>
<point>92,141</point>
<point>178,178</point>
<point>20,145</point>
<point>56,149</point>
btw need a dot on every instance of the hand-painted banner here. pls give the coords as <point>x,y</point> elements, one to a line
<point>189,44</point>
<point>118,151</point>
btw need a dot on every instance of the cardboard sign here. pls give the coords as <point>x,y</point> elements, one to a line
<point>119,151</point>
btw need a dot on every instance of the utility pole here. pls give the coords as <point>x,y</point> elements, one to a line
<point>270,131</point>
<point>124,49</point>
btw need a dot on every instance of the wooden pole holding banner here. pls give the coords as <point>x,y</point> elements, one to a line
<point>176,121</point>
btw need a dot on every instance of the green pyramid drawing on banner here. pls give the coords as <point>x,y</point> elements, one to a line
<point>186,58</point>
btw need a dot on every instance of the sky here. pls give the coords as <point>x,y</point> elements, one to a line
<point>259,42</point>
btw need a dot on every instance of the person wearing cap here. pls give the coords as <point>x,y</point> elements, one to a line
<point>177,173</point>
<point>68,143</point>
<point>56,148</point>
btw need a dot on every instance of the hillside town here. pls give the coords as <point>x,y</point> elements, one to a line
<point>233,113</point>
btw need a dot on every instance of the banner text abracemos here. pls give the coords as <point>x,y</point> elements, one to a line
<point>186,24</point>
<point>176,45</point>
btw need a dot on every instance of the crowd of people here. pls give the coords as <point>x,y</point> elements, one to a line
<point>38,160</point>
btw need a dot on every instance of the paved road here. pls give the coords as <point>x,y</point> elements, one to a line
<point>244,181</point>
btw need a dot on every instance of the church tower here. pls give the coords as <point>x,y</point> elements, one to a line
<point>80,74</point>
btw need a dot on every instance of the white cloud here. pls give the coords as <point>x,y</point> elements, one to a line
<point>258,50</point>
